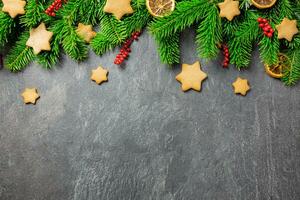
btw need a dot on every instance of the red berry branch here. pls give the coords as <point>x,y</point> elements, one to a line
<point>125,50</point>
<point>55,6</point>
<point>226,56</point>
<point>266,27</point>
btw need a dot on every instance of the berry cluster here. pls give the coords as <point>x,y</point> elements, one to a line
<point>125,50</point>
<point>226,56</point>
<point>55,6</point>
<point>266,27</point>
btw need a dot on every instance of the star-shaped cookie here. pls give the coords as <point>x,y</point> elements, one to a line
<point>191,77</point>
<point>229,9</point>
<point>39,39</point>
<point>86,32</point>
<point>99,75</point>
<point>241,86</point>
<point>118,8</point>
<point>287,29</point>
<point>30,95</point>
<point>14,7</point>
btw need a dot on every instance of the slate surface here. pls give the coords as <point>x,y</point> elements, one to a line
<point>138,137</point>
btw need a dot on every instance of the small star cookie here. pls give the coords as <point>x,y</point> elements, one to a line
<point>86,32</point>
<point>99,75</point>
<point>241,86</point>
<point>287,29</point>
<point>191,77</point>
<point>229,9</point>
<point>118,8</point>
<point>14,7</point>
<point>39,39</point>
<point>30,95</point>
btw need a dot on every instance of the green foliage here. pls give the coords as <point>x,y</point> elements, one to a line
<point>113,32</point>
<point>20,55</point>
<point>35,14</point>
<point>209,33</point>
<point>269,48</point>
<point>241,45</point>
<point>292,75</point>
<point>185,14</point>
<point>7,25</point>
<point>169,49</point>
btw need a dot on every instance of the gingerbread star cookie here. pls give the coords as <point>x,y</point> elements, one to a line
<point>39,39</point>
<point>241,86</point>
<point>287,29</point>
<point>191,77</point>
<point>30,95</point>
<point>118,8</point>
<point>99,75</point>
<point>229,9</point>
<point>86,32</point>
<point>14,7</point>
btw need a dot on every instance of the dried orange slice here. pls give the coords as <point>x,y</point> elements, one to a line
<point>262,4</point>
<point>160,8</point>
<point>277,71</point>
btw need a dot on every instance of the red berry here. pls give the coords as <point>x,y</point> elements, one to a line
<point>269,35</point>
<point>259,19</point>
<point>264,21</point>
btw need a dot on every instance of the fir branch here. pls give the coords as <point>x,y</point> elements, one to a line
<point>241,45</point>
<point>35,14</point>
<point>91,12</point>
<point>72,44</point>
<point>209,33</point>
<point>7,25</point>
<point>292,75</point>
<point>20,55</point>
<point>269,48</point>
<point>113,33</point>
<point>185,14</point>
<point>169,49</point>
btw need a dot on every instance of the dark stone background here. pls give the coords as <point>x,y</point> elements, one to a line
<point>138,137</point>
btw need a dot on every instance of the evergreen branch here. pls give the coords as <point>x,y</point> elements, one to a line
<point>91,12</point>
<point>7,25</point>
<point>209,33</point>
<point>20,55</point>
<point>35,14</point>
<point>185,14</point>
<point>292,75</point>
<point>269,48</point>
<point>241,45</point>
<point>72,44</point>
<point>113,33</point>
<point>169,49</point>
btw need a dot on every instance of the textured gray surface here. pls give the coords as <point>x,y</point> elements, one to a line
<point>138,137</point>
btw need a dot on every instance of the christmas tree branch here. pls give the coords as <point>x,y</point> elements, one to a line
<point>169,49</point>
<point>113,32</point>
<point>185,14</point>
<point>209,33</point>
<point>20,55</point>
<point>35,14</point>
<point>241,45</point>
<point>7,25</point>
<point>269,48</point>
<point>292,75</point>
